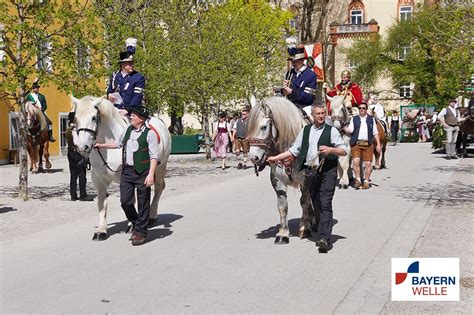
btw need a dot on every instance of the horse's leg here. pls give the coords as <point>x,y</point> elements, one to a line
<point>40,158</point>
<point>283,235</point>
<point>46,155</point>
<point>308,213</point>
<point>101,186</point>
<point>34,160</point>
<point>343,170</point>
<point>159,187</point>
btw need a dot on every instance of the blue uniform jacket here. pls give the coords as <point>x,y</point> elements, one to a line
<point>130,88</point>
<point>303,88</point>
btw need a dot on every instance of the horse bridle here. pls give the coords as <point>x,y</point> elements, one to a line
<point>344,119</point>
<point>92,132</point>
<point>268,144</point>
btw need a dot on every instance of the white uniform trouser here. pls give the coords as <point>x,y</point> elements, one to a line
<point>451,137</point>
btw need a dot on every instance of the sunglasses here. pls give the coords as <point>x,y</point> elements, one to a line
<point>362,107</point>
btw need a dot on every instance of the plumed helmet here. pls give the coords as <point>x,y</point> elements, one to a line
<point>346,73</point>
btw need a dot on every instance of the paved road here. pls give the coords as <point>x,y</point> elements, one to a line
<point>213,251</point>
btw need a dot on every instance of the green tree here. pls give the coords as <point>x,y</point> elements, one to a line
<point>54,31</point>
<point>439,59</point>
<point>199,55</point>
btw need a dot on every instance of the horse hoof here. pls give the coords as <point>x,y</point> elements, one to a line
<point>99,236</point>
<point>345,186</point>
<point>280,240</point>
<point>305,234</point>
<point>48,165</point>
<point>340,186</point>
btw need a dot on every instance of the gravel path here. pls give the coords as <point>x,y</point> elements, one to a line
<point>50,205</point>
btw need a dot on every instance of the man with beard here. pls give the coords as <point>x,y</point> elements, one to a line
<point>347,88</point>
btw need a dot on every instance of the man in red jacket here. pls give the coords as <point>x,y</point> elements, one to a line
<point>346,87</point>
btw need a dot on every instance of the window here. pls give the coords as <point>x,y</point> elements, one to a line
<point>44,60</point>
<point>405,90</point>
<point>14,131</point>
<point>63,123</point>
<point>352,63</point>
<point>356,12</point>
<point>403,52</point>
<point>2,51</point>
<point>405,13</point>
<point>356,17</point>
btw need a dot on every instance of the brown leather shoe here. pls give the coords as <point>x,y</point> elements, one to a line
<point>366,185</point>
<point>139,239</point>
<point>357,184</point>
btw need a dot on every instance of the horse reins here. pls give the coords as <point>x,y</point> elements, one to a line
<point>94,138</point>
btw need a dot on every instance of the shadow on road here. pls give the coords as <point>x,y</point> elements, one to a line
<point>451,194</point>
<point>294,227</point>
<point>42,192</point>
<point>6,209</point>
<point>164,220</point>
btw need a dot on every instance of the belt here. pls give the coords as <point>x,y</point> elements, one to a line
<point>362,142</point>
<point>125,167</point>
<point>453,125</point>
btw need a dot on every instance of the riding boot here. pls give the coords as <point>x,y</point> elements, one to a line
<point>50,133</point>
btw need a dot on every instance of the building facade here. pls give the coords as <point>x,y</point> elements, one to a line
<point>347,20</point>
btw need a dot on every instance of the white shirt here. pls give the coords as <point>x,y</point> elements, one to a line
<point>132,144</point>
<point>453,110</point>
<point>314,135</point>
<point>298,72</point>
<point>378,109</point>
<point>363,131</point>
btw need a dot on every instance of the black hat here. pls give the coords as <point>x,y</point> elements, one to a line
<point>35,85</point>
<point>299,53</point>
<point>222,114</point>
<point>142,111</point>
<point>125,56</point>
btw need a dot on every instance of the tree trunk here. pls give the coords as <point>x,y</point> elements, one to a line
<point>207,135</point>
<point>23,176</point>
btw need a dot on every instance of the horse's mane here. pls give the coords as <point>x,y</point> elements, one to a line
<point>107,110</point>
<point>34,110</point>
<point>287,117</point>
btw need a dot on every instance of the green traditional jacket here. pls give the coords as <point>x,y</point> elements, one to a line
<point>41,98</point>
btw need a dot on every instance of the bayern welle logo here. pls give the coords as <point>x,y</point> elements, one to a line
<point>425,279</point>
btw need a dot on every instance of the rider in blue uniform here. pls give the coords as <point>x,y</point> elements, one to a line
<point>129,83</point>
<point>301,81</point>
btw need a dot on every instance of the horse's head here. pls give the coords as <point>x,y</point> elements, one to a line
<point>340,114</point>
<point>87,122</point>
<point>262,134</point>
<point>31,111</point>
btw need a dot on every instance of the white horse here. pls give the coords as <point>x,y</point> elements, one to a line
<point>272,127</point>
<point>97,120</point>
<point>341,116</point>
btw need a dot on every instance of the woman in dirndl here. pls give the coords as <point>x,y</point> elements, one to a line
<point>221,138</point>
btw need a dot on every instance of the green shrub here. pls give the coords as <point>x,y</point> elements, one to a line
<point>438,138</point>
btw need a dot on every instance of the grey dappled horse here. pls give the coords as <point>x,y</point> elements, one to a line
<point>272,127</point>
